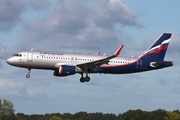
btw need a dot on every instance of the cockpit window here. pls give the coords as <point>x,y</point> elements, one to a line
<point>18,55</point>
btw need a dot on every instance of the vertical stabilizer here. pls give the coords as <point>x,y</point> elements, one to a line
<point>158,50</point>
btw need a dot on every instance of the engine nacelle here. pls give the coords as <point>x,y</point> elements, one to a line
<point>65,70</point>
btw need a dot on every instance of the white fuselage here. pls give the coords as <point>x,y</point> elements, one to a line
<point>52,60</point>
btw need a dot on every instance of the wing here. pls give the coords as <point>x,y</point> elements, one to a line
<point>93,64</point>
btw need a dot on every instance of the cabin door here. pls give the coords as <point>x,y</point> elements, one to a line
<point>30,56</point>
<point>139,64</point>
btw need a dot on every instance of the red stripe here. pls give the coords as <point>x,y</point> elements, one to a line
<point>163,48</point>
<point>155,51</point>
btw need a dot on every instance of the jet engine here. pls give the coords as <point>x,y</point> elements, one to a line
<point>65,70</point>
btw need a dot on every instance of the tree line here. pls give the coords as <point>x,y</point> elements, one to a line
<point>7,113</point>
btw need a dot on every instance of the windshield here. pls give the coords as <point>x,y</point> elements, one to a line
<point>18,55</point>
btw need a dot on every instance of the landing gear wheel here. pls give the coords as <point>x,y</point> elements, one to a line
<point>27,76</point>
<point>29,71</point>
<point>87,79</point>
<point>82,79</point>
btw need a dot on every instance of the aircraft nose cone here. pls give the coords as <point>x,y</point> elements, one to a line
<point>9,61</point>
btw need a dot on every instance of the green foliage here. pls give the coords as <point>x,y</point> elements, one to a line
<point>6,107</point>
<point>134,115</point>
<point>109,117</point>
<point>7,113</point>
<point>157,114</point>
<point>6,110</point>
<point>172,116</point>
<point>67,116</point>
<point>177,111</point>
<point>55,118</point>
<point>19,118</point>
<point>95,116</point>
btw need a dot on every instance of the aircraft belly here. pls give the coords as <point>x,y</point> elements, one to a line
<point>121,69</point>
<point>45,65</point>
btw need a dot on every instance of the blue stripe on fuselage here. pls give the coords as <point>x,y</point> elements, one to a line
<point>121,69</point>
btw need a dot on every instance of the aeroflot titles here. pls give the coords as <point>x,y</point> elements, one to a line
<point>51,53</point>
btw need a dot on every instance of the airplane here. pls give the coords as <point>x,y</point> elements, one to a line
<point>65,64</point>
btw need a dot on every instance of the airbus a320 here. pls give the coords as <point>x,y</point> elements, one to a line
<point>65,64</point>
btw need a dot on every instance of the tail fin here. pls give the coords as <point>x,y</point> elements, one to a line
<point>158,50</point>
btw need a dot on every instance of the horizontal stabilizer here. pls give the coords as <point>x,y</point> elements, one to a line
<point>161,64</point>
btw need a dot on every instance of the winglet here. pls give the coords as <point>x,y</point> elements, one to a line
<point>119,50</point>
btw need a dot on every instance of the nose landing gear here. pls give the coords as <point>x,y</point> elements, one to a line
<point>29,71</point>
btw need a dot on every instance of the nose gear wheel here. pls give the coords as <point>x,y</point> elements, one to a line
<point>29,71</point>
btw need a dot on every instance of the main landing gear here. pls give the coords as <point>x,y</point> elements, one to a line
<point>84,79</point>
<point>29,71</point>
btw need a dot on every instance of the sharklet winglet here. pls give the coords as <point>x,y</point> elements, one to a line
<point>119,50</point>
<point>98,53</point>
